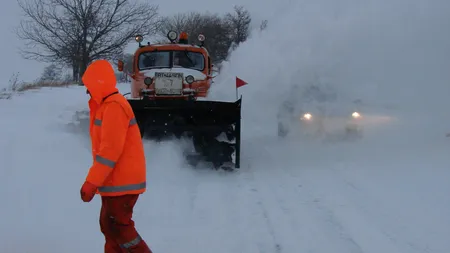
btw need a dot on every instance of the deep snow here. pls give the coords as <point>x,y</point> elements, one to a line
<point>386,192</point>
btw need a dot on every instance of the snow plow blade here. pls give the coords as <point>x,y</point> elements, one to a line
<point>215,127</point>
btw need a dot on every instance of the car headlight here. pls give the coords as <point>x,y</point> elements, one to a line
<point>356,115</point>
<point>307,116</point>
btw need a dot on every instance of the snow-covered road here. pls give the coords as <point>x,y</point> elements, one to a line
<point>379,194</point>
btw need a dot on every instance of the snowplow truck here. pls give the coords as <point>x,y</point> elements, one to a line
<point>169,86</point>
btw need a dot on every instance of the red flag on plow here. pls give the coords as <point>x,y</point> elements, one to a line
<point>240,82</point>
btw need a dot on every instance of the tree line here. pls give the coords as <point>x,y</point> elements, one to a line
<point>73,33</point>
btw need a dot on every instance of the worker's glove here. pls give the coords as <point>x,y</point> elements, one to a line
<point>88,191</point>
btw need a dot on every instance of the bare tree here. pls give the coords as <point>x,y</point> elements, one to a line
<point>128,63</point>
<point>222,32</point>
<point>263,25</point>
<point>76,32</point>
<point>219,37</point>
<point>51,73</point>
<point>239,22</point>
<point>178,22</point>
<point>217,31</point>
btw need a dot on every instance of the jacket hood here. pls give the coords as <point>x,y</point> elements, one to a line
<point>100,80</point>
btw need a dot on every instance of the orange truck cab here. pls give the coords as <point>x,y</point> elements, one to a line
<point>175,70</point>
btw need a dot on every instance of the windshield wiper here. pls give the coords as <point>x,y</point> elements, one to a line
<point>189,58</point>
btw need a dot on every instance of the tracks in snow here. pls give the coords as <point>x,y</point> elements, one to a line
<point>313,210</point>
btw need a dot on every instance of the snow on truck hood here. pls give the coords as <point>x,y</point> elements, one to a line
<point>186,72</point>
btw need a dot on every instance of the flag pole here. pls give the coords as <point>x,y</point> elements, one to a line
<point>239,83</point>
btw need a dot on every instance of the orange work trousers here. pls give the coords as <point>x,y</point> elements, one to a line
<point>117,225</point>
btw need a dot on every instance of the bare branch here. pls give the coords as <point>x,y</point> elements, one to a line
<point>218,32</point>
<point>75,32</point>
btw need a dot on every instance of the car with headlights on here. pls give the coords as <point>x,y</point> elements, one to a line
<point>317,111</point>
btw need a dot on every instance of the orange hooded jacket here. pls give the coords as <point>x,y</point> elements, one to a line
<point>119,162</point>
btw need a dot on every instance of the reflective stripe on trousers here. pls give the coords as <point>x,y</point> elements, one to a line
<point>121,188</point>
<point>132,243</point>
<point>98,122</point>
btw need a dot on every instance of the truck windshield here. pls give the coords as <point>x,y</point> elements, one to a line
<point>171,59</point>
<point>149,60</point>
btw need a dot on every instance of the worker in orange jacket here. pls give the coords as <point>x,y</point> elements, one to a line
<point>118,172</point>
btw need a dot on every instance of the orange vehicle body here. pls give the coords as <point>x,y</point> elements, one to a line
<point>202,76</point>
<point>167,81</point>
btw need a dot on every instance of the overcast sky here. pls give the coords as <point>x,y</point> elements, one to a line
<point>10,14</point>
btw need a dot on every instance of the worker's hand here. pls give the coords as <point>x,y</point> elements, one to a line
<point>88,191</point>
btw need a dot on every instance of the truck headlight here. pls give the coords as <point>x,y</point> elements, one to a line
<point>148,81</point>
<point>189,79</point>
<point>356,115</point>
